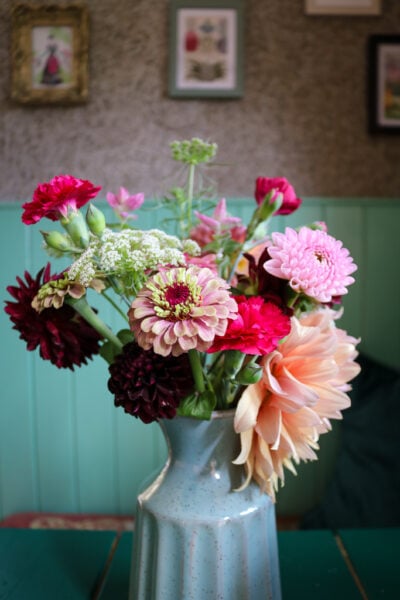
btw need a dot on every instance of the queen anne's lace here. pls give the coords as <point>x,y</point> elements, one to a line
<point>129,253</point>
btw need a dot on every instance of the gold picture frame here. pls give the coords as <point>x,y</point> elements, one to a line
<point>49,53</point>
<point>343,7</point>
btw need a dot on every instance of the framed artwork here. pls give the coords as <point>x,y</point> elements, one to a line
<point>206,49</point>
<point>343,7</point>
<point>384,83</point>
<point>49,56</point>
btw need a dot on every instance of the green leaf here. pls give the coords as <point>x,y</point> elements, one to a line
<point>198,406</point>
<point>125,335</point>
<point>108,350</point>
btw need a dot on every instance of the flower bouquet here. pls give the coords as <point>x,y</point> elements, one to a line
<point>217,318</point>
<point>220,316</point>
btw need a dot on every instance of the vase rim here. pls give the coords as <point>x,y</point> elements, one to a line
<point>216,414</point>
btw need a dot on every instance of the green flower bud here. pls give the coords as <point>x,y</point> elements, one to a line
<point>56,240</point>
<point>194,151</point>
<point>96,220</point>
<point>76,226</point>
<point>233,362</point>
<point>251,373</point>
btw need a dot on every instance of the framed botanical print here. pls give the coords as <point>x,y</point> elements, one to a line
<point>49,53</point>
<point>384,83</point>
<point>343,7</point>
<point>206,48</point>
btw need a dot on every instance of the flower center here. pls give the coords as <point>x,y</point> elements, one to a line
<point>320,255</point>
<point>177,293</point>
<point>175,299</point>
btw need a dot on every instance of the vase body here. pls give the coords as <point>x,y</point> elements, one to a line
<point>195,537</point>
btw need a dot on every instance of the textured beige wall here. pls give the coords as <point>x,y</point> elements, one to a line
<point>303,114</point>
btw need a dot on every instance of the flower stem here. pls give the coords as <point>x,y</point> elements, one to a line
<point>115,305</point>
<point>197,371</point>
<point>82,307</point>
<point>192,168</point>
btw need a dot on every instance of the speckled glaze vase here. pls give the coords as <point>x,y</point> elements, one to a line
<point>195,537</point>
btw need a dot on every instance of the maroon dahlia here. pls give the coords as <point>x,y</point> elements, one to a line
<point>149,386</point>
<point>64,337</point>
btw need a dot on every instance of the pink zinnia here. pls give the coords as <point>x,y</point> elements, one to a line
<point>181,309</point>
<point>219,223</point>
<point>257,330</point>
<point>314,263</point>
<point>55,198</point>
<point>303,386</point>
<point>124,203</point>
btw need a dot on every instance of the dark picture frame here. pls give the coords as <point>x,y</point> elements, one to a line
<point>343,7</point>
<point>49,53</point>
<point>384,83</point>
<point>206,49</point>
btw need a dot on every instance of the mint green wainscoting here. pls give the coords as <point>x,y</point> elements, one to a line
<point>63,445</point>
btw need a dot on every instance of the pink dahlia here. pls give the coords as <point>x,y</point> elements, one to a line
<point>63,337</point>
<point>220,223</point>
<point>303,386</point>
<point>314,263</point>
<point>124,203</point>
<point>55,198</point>
<point>290,201</point>
<point>257,329</point>
<point>181,309</point>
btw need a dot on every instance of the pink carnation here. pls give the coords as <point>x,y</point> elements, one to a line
<point>314,263</point>
<point>181,309</point>
<point>257,330</point>
<point>290,201</point>
<point>55,198</point>
<point>303,386</point>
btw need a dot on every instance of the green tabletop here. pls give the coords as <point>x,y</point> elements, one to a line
<point>93,565</point>
<point>375,556</point>
<point>54,564</point>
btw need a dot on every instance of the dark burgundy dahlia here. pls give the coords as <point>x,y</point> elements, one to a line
<point>147,385</point>
<point>64,337</point>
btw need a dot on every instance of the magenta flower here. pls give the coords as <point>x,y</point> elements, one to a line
<point>220,223</point>
<point>63,337</point>
<point>53,199</point>
<point>124,203</point>
<point>290,202</point>
<point>314,263</point>
<point>180,309</point>
<point>257,329</point>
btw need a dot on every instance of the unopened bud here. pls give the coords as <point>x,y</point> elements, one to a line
<point>56,240</point>
<point>252,373</point>
<point>96,220</point>
<point>76,226</point>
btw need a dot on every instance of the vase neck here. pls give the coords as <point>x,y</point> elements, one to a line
<point>195,441</point>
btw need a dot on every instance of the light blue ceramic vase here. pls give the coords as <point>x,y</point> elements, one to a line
<point>195,537</point>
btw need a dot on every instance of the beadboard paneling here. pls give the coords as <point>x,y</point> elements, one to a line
<point>63,445</point>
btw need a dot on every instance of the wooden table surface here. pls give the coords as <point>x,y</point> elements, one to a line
<point>94,565</point>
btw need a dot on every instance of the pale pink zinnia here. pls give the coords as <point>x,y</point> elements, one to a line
<point>180,309</point>
<point>124,203</point>
<point>314,263</point>
<point>303,386</point>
